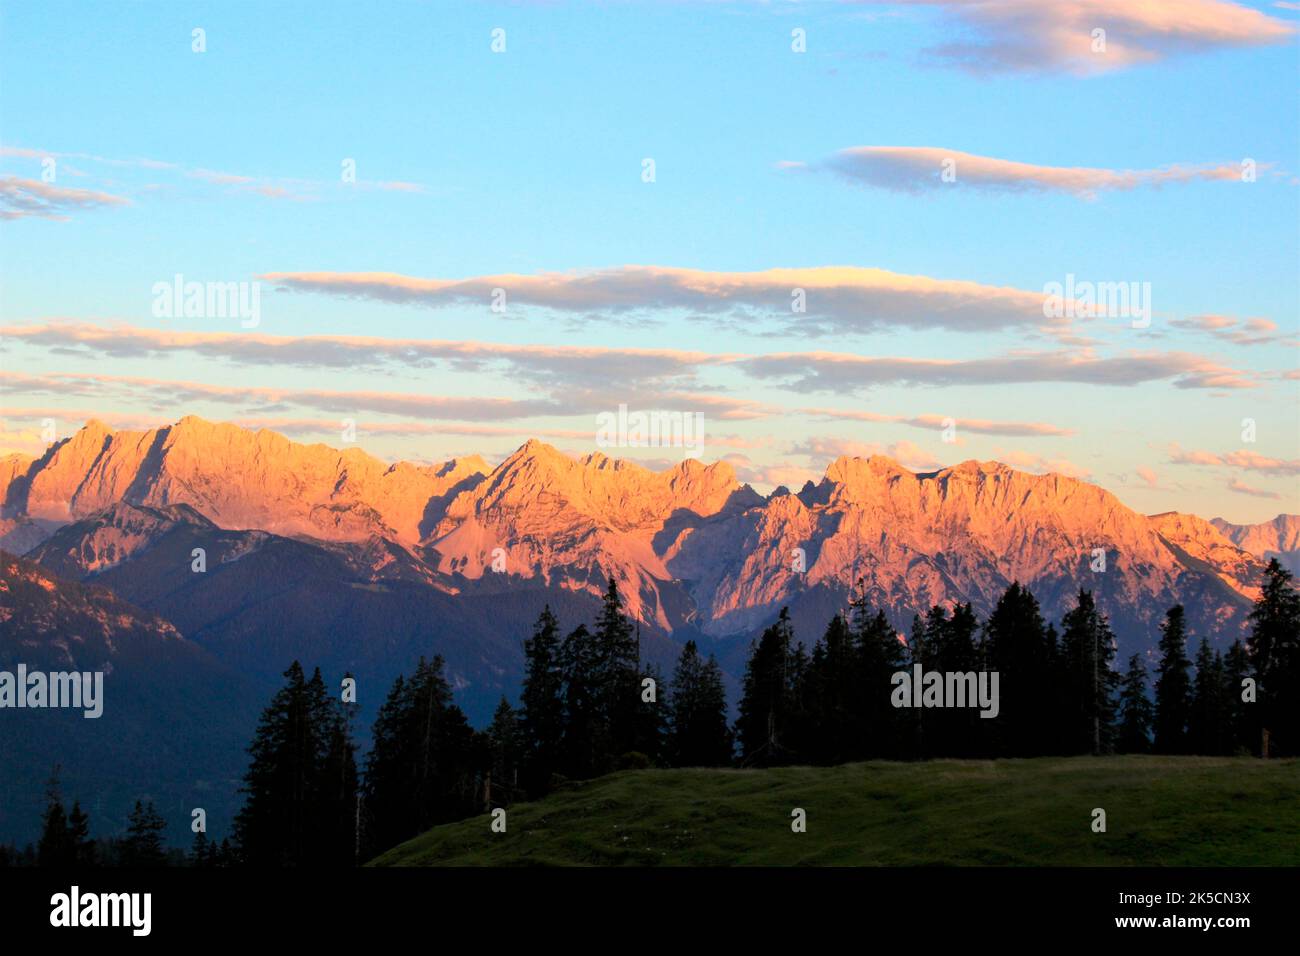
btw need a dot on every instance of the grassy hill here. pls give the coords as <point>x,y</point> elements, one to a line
<point>1185,811</point>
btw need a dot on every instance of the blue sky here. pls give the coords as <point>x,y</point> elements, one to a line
<point>225,166</point>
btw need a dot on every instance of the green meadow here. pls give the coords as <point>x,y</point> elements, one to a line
<point>1160,811</point>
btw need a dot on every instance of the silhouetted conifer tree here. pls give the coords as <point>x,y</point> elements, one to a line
<point>618,679</point>
<point>82,846</point>
<point>768,706</point>
<point>697,735</point>
<point>913,718</point>
<point>1088,682</point>
<point>301,783</point>
<point>1274,647</point>
<point>541,704</point>
<point>961,655</point>
<point>144,846</point>
<point>830,693</point>
<point>650,720</point>
<point>203,852</point>
<point>1242,728</point>
<point>55,848</point>
<point>946,644</point>
<point>427,764</point>
<point>336,786</point>
<point>881,729</point>
<point>1022,649</point>
<point>1206,722</point>
<point>585,740</point>
<point>507,747</point>
<point>1136,710</point>
<point>1173,685</point>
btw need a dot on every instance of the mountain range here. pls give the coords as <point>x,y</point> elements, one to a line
<point>227,553</point>
<point>174,718</point>
<point>695,549</point>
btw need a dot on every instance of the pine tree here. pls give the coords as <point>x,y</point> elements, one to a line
<point>301,783</point>
<point>1020,647</point>
<point>335,787</point>
<point>426,765</point>
<point>618,677</point>
<point>715,740</point>
<point>585,739</point>
<point>1087,681</point>
<point>768,706</point>
<point>1274,620</point>
<point>144,846</point>
<point>271,826</point>
<point>385,799</point>
<point>650,721</point>
<point>1242,727</point>
<point>698,734</point>
<point>1136,710</point>
<point>831,692</point>
<point>880,726</point>
<point>445,751</point>
<point>913,718</point>
<point>55,848</point>
<point>946,643</point>
<point>932,652</point>
<point>507,747</point>
<point>541,704</point>
<point>683,703</point>
<point>202,851</point>
<point>1205,721</point>
<point>1274,647</point>
<point>803,707</point>
<point>961,656</point>
<point>959,652</point>
<point>82,847</point>
<point>1173,685</point>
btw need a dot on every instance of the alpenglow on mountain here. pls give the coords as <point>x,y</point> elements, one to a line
<point>695,550</point>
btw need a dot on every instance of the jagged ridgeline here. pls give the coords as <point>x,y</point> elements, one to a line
<point>342,561</point>
<point>697,551</point>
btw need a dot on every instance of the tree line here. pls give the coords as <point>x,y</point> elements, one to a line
<point>589,704</point>
<point>66,841</point>
<point>1060,692</point>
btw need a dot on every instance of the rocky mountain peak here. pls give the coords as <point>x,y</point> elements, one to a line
<point>690,541</point>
